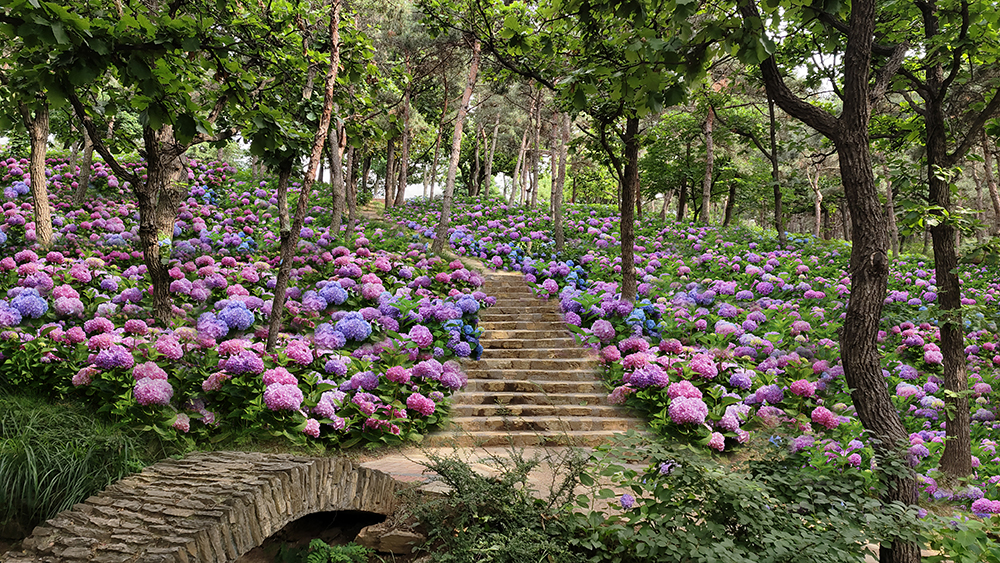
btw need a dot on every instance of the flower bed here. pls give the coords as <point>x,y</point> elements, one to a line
<point>730,335</point>
<point>372,335</point>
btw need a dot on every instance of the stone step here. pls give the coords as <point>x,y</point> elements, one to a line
<point>519,439</point>
<point>523,316</point>
<point>529,398</point>
<point>495,341</point>
<point>534,353</point>
<point>533,375</point>
<point>526,364</point>
<point>542,423</point>
<point>524,329</point>
<point>461,410</point>
<point>484,385</point>
<point>535,307</point>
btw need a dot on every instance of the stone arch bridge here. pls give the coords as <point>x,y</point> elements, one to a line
<point>207,507</point>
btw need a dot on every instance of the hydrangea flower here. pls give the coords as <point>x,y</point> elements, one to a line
<point>687,410</point>
<point>150,391</point>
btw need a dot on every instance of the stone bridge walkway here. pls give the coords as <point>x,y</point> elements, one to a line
<point>207,507</point>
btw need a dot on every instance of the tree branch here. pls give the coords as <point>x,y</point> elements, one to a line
<point>99,146</point>
<point>889,70</point>
<point>973,131</point>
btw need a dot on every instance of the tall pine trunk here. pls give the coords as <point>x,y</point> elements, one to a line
<point>338,141</point>
<point>440,133</point>
<point>560,182</point>
<point>456,151</point>
<point>515,193</point>
<point>631,180</point>
<point>491,153</point>
<point>404,150</point>
<point>83,179</point>
<point>991,180</point>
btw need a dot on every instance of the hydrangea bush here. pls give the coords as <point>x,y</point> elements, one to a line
<point>731,335</point>
<point>372,342</point>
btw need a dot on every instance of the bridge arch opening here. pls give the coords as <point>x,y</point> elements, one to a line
<point>333,527</point>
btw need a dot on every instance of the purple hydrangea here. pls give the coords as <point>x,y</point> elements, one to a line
<point>421,336</point>
<point>114,356</point>
<point>328,337</point>
<point>603,330</point>
<point>29,303</point>
<point>236,316</point>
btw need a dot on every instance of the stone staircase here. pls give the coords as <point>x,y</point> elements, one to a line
<point>534,384</point>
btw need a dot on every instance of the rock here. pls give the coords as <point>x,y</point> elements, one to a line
<point>386,539</point>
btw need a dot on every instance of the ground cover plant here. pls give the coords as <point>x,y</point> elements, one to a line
<point>372,337</point>
<point>731,334</point>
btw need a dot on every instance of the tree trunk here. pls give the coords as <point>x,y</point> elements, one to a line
<point>890,212</point>
<point>560,181</point>
<point>83,179</point>
<point>366,168</point>
<point>440,133</point>
<point>390,173</point>
<point>666,203</point>
<point>536,152</point>
<point>285,265</point>
<point>706,185</point>
<point>352,191</point>
<point>404,152</point>
<point>869,263</point>
<point>817,201</point>
<point>38,133</point>
<point>980,214</point>
<point>456,151</point>
<point>682,196</point>
<point>158,198</point>
<point>631,174</point>
<point>492,152</point>
<point>775,172</point>
<point>338,141</point>
<point>518,185</point>
<point>472,182</point>
<point>285,236</point>
<point>991,181</point>
<point>730,204</point>
<point>956,461</point>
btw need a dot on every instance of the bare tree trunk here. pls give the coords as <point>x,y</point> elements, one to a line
<point>706,186</point>
<point>38,133</point>
<point>456,151</point>
<point>83,179</point>
<point>285,266</point>
<point>666,203</point>
<point>404,153</point>
<point>890,212</point>
<point>631,176</point>
<point>437,142</point>
<point>775,172</point>
<point>390,172</point>
<point>536,153</point>
<point>472,182</point>
<point>337,143</point>
<point>730,204</point>
<point>991,181</point>
<point>352,191</point>
<point>980,214</point>
<point>491,153</point>
<point>559,182</point>
<point>817,200</point>
<point>515,193</point>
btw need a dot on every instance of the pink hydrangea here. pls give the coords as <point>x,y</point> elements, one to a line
<point>620,393</point>
<point>298,351</point>
<point>636,360</point>
<point>312,428</point>
<point>824,417</point>
<point>398,374</point>
<point>683,388</point>
<point>149,391</point>
<point>169,347</point>
<point>603,330</point>
<point>182,423</point>
<point>704,365</point>
<point>148,370</point>
<point>421,404</point>
<point>610,354</point>
<point>687,410</point>
<point>278,375</point>
<point>803,388</point>
<point>279,396</point>
<point>717,441</point>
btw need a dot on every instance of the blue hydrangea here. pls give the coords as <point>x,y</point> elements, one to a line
<point>462,349</point>
<point>354,327</point>
<point>212,327</point>
<point>336,367</point>
<point>468,304</point>
<point>237,316</point>
<point>333,293</point>
<point>29,303</point>
<point>3,238</point>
